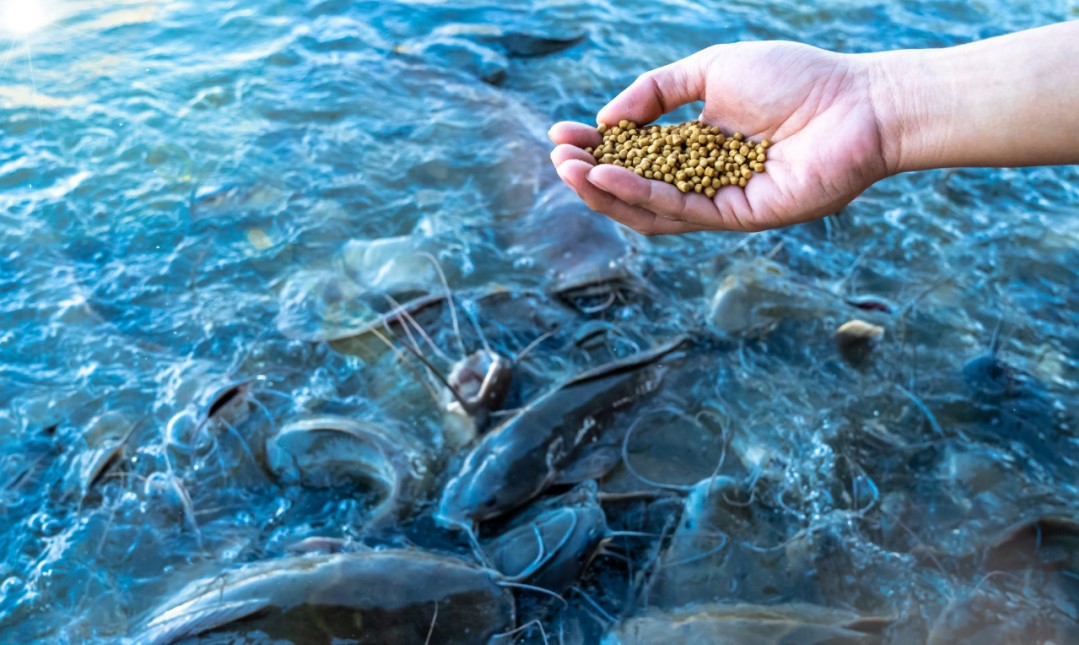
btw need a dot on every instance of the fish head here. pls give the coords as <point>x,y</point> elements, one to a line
<point>481,382</point>
<point>486,487</point>
<point>991,378</point>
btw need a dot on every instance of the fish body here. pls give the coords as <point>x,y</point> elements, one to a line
<point>389,596</point>
<point>552,548</point>
<point>332,452</point>
<point>561,437</point>
<point>741,624</point>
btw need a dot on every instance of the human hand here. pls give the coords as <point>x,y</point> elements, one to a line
<point>815,106</point>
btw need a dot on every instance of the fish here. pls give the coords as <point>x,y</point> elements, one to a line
<point>1011,407</point>
<point>26,467</point>
<point>479,383</point>
<point>1050,543</point>
<point>559,438</point>
<point>581,255</point>
<point>106,438</point>
<point>552,546</point>
<point>521,45</point>
<point>736,541</point>
<point>744,624</point>
<point>393,265</point>
<point>856,339</point>
<point>388,596</point>
<point>331,452</point>
<point>483,51</point>
<point>1027,589</point>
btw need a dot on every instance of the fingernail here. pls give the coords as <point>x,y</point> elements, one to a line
<point>561,170</point>
<point>594,178</point>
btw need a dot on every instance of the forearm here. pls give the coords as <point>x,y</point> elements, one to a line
<point>1006,101</point>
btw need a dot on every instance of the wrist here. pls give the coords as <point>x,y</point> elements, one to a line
<point>914,107</point>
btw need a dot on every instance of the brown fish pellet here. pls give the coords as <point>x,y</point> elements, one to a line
<point>692,156</point>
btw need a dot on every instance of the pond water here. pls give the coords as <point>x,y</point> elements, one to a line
<point>197,195</point>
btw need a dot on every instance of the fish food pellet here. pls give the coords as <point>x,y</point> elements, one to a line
<point>692,156</point>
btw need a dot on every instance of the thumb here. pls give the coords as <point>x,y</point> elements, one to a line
<point>657,92</point>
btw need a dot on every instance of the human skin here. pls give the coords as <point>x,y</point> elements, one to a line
<point>838,123</point>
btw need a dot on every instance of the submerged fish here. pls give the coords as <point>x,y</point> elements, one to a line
<point>790,624</point>
<point>392,265</point>
<point>105,437</point>
<point>482,50</point>
<point>321,306</point>
<point>750,299</point>
<point>1050,543</point>
<point>522,45</point>
<point>743,541</point>
<point>26,466</point>
<point>392,596</point>
<point>1027,588</point>
<point>561,437</point>
<point>552,546</point>
<point>1012,407</point>
<point>753,297</point>
<point>328,452</point>
<point>580,253</point>
<point>235,197</point>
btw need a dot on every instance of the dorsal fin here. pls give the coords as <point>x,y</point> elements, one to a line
<point>630,362</point>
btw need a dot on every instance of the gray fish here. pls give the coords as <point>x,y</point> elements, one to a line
<point>26,467</point>
<point>1013,408</point>
<point>551,548</point>
<point>581,254</point>
<point>329,451</point>
<point>735,542</point>
<point>392,596</point>
<point>561,437</point>
<point>482,50</point>
<point>233,198</point>
<point>106,437</point>
<point>1027,588</point>
<point>522,45</point>
<point>790,624</point>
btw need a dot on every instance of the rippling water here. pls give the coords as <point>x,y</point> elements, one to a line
<point>180,187</point>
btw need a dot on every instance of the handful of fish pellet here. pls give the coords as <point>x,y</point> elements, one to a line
<point>692,156</point>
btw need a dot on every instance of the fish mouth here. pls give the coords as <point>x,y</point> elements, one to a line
<point>454,521</point>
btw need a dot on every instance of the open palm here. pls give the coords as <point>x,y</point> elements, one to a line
<point>814,105</point>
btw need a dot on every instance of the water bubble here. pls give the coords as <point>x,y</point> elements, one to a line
<point>282,507</point>
<point>11,586</point>
<point>43,525</point>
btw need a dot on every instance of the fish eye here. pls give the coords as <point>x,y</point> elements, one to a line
<point>490,503</point>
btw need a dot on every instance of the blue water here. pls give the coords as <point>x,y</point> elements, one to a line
<point>180,181</point>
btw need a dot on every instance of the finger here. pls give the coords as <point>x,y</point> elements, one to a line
<point>564,152</point>
<point>722,213</point>
<point>660,197</point>
<point>575,173</point>
<point>657,92</point>
<point>576,134</point>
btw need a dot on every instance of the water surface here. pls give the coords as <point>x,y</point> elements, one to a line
<point>178,178</point>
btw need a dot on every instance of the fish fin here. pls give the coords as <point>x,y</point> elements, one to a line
<point>593,464</point>
<point>521,45</point>
<point>630,363</point>
<point>197,621</point>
